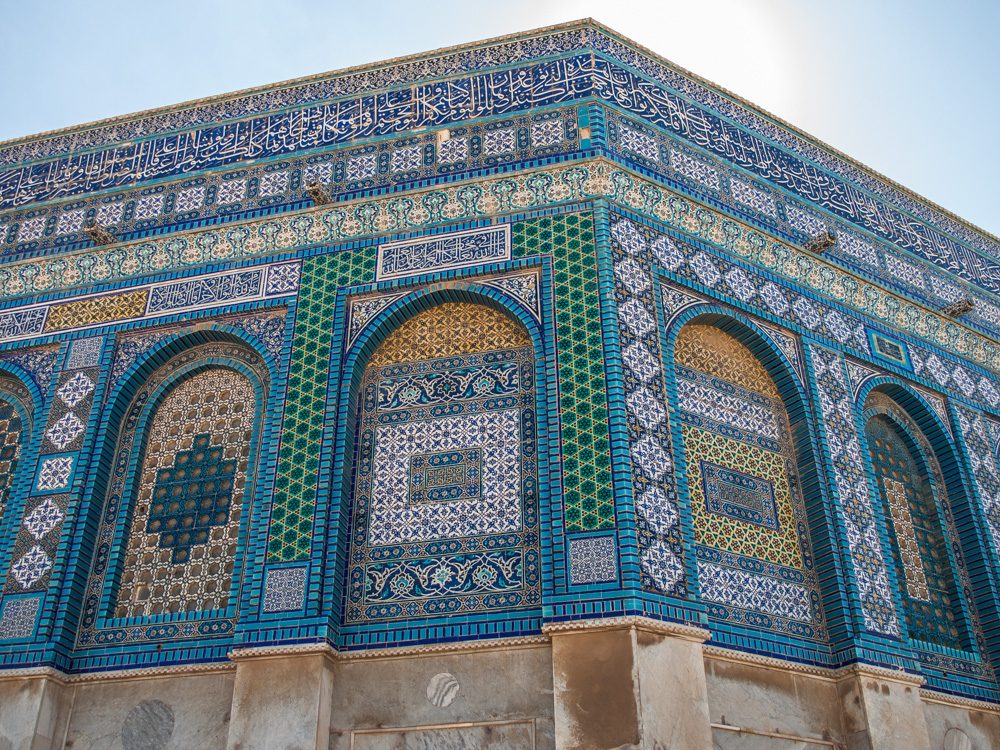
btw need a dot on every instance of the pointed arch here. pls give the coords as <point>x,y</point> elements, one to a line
<point>912,467</point>
<point>175,478</point>
<point>18,406</point>
<point>745,463</point>
<point>442,494</point>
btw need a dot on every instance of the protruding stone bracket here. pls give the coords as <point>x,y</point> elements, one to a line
<point>99,234</point>
<point>319,194</point>
<point>821,242</point>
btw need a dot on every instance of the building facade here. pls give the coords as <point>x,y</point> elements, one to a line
<point>534,393</point>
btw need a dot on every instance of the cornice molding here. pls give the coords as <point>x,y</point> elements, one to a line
<point>274,652</point>
<point>646,624</point>
<point>720,653</point>
<point>458,647</point>
<point>957,701</point>
<point>879,673</point>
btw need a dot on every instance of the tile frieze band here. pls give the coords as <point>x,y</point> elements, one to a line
<point>496,93</point>
<point>595,179</point>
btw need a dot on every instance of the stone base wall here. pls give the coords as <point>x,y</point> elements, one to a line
<point>523,695</point>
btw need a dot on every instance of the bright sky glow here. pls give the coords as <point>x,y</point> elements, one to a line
<point>908,87</point>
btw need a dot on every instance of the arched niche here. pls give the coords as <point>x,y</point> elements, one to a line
<point>443,505</point>
<point>741,419</point>
<point>914,500</point>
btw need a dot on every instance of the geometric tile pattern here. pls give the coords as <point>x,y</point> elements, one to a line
<point>18,616</point>
<point>43,519</point>
<point>305,400</point>
<point>589,504</point>
<point>915,533</point>
<point>185,517</point>
<point>749,520</point>
<point>653,485</point>
<point>593,560</point>
<point>74,390</point>
<point>851,486</point>
<point>471,328</point>
<point>981,452</point>
<point>29,568</point>
<point>85,352</point>
<point>445,505</point>
<point>54,473</point>
<point>284,589</point>
<point>12,434</point>
<point>192,496</point>
<point>65,430</point>
<point>96,310</point>
<point>38,538</point>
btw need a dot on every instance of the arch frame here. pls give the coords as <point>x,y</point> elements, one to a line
<point>820,522</point>
<point>32,415</point>
<point>932,436</point>
<point>162,631</point>
<point>335,491</point>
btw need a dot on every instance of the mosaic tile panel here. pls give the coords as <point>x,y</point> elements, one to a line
<point>982,454</point>
<point>918,549</point>
<point>589,504</point>
<point>12,438</point>
<point>185,520</point>
<point>522,191</point>
<point>436,254</point>
<point>38,537</point>
<point>285,589</point>
<point>96,310</point>
<point>750,528</point>
<point>84,352</point>
<point>172,509</point>
<point>18,617</point>
<point>650,449</point>
<point>593,560</point>
<point>445,506</point>
<point>851,486</point>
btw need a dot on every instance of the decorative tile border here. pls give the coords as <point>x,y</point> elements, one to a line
<point>594,179</point>
<point>198,293</point>
<point>647,97</point>
<point>224,196</point>
<point>439,253</point>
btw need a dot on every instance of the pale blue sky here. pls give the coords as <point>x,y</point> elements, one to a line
<point>908,87</point>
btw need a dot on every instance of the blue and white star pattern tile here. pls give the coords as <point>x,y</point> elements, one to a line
<point>653,484</point>
<point>851,485</point>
